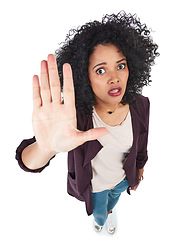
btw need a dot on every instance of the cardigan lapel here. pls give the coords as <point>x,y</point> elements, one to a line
<point>92,148</point>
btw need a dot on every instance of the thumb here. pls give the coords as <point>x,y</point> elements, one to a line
<point>94,134</point>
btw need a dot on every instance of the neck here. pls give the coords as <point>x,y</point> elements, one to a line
<point>107,108</point>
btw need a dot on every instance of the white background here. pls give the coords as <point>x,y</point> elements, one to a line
<point>36,206</point>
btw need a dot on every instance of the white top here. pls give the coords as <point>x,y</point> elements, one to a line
<point>107,165</point>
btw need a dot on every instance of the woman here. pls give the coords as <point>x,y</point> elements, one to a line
<point>102,68</point>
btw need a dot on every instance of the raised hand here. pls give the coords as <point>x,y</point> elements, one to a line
<point>55,123</point>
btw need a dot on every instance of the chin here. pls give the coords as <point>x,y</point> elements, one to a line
<point>117,100</point>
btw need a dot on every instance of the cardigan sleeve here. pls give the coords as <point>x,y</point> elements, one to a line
<point>142,156</point>
<point>25,143</point>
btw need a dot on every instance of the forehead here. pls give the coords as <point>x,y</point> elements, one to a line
<point>104,52</point>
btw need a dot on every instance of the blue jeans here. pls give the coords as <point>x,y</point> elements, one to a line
<point>106,200</point>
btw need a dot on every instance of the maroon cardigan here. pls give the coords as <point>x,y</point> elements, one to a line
<point>79,159</point>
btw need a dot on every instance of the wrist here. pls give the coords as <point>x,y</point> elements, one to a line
<point>45,151</point>
<point>141,178</point>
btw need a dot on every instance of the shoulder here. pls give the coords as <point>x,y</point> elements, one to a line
<point>141,98</point>
<point>141,106</point>
<point>142,102</point>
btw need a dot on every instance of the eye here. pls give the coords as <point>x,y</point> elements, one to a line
<point>100,71</point>
<point>121,66</point>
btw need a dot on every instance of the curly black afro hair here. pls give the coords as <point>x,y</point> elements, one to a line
<point>128,34</point>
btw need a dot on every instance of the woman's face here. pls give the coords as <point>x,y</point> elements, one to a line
<point>108,74</point>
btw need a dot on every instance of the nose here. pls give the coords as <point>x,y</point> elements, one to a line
<point>113,78</point>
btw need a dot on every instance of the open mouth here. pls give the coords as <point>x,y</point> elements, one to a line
<point>115,91</point>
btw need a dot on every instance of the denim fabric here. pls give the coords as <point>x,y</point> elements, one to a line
<point>106,200</point>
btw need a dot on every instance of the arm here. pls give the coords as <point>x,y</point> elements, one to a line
<point>140,176</point>
<point>36,158</point>
<point>19,152</point>
<point>54,122</point>
<point>142,156</point>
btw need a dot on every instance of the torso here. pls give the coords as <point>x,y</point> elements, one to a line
<point>115,118</point>
<point>107,165</point>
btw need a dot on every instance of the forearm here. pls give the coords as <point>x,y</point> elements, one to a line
<point>140,174</point>
<point>34,158</point>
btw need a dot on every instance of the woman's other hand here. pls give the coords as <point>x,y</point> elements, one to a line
<point>140,175</point>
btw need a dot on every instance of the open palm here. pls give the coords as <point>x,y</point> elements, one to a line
<point>54,122</point>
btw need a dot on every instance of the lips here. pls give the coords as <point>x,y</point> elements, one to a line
<point>114,92</point>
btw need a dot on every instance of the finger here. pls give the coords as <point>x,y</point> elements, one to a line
<point>135,188</point>
<point>94,134</point>
<point>45,89</point>
<point>68,88</point>
<point>54,81</point>
<point>37,101</point>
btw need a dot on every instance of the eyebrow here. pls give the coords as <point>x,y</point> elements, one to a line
<point>104,63</point>
<point>121,60</point>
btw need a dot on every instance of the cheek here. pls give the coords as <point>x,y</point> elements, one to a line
<point>93,81</point>
<point>96,85</point>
